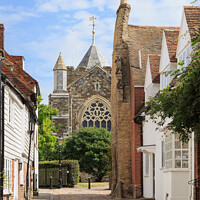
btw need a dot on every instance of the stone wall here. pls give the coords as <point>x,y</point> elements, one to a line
<point>84,89</point>
<point>81,87</point>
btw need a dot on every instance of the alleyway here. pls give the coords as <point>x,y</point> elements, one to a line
<point>74,194</point>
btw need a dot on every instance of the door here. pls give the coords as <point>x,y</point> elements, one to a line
<point>16,180</point>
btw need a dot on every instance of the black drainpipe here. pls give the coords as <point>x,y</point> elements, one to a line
<point>138,120</point>
<point>141,138</point>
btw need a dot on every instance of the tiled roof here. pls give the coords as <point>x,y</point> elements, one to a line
<point>172,41</point>
<point>18,77</point>
<point>60,64</point>
<point>154,61</point>
<point>148,40</point>
<point>192,14</point>
<point>19,72</point>
<point>93,57</point>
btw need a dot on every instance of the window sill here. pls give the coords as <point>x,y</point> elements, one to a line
<point>176,170</point>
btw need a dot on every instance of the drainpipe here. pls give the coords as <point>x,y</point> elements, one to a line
<point>138,120</point>
<point>141,141</point>
<point>31,130</point>
<point>2,57</point>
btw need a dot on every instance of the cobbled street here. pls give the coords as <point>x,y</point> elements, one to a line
<point>74,194</point>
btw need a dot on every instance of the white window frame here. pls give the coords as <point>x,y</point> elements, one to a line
<point>7,176</point>
<point>176,153</point>
<point>22,175</point>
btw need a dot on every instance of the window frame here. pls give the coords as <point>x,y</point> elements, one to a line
<point>7,173</point>
<point>172,163</point>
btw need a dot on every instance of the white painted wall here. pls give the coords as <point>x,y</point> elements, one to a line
<point>151,136</point>
<point>164,59</point>
<point>184,36</point>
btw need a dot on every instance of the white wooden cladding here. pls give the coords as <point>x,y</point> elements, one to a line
<point>16,131</point>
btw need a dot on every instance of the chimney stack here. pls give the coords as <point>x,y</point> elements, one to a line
<point>1,36</point>
<point>124,1</point>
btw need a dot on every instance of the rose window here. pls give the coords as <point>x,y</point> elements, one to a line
<point>98,115</point>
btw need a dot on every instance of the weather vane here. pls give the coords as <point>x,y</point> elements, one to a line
<point>93,31</point>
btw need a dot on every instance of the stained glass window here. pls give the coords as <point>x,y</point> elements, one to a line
<point>98,115</point>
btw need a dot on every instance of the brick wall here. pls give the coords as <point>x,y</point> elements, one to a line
<point>1,36</point>
<point>121,110</point>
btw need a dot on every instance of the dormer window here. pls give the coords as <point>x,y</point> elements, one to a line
<point>185,56</point>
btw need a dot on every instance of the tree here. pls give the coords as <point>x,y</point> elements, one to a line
<point>91,147</point>
<point>48,146</point>
<point>181,100</point>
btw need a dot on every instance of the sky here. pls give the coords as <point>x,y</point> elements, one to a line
<point>40,29</point>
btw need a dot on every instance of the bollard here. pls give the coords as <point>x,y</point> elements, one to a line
<point>89,183</point>
<point>51,187</point>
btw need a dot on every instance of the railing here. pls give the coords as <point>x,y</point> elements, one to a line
<point>196,184</point>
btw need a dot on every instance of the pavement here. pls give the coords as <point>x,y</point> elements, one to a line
<point>99,193</point>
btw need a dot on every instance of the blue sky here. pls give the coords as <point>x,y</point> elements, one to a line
<point>40,29</point>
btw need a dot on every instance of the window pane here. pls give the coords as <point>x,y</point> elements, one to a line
<point>177,163</point>
<point>169,155</point>
<point>168,164</point>
<point>177,154</point>
<point>97,124</point>
<point>84,123</point>
<point>177,145</point>
<point>109,125</point>
<point>103,124</point>
<point>90,123</point>
<point>185,155</point>
<point>185,164</point>
<point>185,145</point>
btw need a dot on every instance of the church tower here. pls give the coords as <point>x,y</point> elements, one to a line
<point>60,75</point>
<point>59,99</point>
<point>82,95</point>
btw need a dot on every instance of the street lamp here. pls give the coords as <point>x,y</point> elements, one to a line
<point>60,143</point>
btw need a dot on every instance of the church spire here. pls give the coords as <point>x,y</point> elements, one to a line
<point>93,31</point>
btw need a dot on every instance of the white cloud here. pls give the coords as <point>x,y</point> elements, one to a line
<point>157,13</point>
<point>59,5</point>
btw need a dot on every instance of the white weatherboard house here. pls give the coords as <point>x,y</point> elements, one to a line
<point>20,127</point>
<point>168,164</point>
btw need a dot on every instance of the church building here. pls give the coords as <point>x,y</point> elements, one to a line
<point>82,95</point>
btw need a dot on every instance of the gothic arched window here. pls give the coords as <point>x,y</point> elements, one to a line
<point>98,115</point>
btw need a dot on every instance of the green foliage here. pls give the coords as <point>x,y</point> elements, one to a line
<point>70,165</point>
<point>48,146</point>
<point>180,101</point>
<point>91,147</point>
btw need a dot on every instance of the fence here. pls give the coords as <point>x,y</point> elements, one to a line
<point>46,173</point>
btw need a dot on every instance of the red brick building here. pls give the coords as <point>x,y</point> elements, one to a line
<point>132,44</point>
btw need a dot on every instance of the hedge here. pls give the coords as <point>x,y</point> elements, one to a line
<point>49,169</point>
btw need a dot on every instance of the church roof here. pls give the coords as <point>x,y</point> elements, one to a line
<point>60,65</point>
<point>93,57</point>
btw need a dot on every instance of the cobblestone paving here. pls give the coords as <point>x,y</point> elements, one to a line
<point>81,194</point>
<point>74,194</point>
